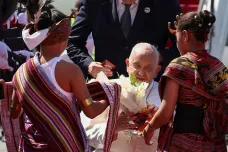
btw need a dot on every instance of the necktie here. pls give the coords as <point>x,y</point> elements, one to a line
<point>126,20</point>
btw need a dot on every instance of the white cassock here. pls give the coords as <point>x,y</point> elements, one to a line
<point>127,141</point>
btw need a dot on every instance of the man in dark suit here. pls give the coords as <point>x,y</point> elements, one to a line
<point>6,9</point>
<point>117,25</point>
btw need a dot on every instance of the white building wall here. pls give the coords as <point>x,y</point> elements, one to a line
<point>221,27</point>
<point>64,6</point>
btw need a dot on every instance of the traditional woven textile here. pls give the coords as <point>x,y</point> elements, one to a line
<point>53,115</point>
<point>203,81</point>
<point>11,127</point>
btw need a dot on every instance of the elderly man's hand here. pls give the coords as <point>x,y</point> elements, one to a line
<point>96,67</point>
<point>148,134</point>
<point>123,122</point>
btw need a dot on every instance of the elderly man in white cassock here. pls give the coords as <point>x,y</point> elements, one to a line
<point>144,63</point>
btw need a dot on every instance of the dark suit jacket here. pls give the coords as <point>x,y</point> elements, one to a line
<point>100,17</point>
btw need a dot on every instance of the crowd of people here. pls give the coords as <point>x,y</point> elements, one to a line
<point>187,94</point>
<point>13,51</point>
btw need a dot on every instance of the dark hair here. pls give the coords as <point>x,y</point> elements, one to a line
<point>49,17</point>
<point>198,23</point>
<point>31,6</point>
<point>49,14</point>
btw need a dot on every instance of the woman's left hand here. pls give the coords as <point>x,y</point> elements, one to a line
<point>148,134</point>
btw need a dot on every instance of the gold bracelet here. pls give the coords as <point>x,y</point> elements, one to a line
<point>87,102</point>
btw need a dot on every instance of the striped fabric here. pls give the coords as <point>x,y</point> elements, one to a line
<point>11,127</point>
<point>203,81</point>
<point>50,114</point>
<point>53,115</point>
<point>111,92</point>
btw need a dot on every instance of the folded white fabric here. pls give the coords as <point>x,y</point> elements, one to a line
<point>35,39</point>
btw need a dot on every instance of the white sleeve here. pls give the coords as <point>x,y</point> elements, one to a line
<point>96,135</point>
<point>154,97</point>
<point>95,129</point>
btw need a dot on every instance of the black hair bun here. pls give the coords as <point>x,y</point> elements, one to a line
<point>45,20</point>
<point>32,7</point>
<point>49,16</point>
<point>207,19</point>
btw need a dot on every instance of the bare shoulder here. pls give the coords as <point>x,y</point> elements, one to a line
<point>69,65</point>
<point>70,69</point>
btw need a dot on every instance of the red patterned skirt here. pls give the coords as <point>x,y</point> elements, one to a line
<point>196,143</point>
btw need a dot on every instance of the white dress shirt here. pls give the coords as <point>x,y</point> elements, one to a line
<point>96,130</point>
<point>121,8</point>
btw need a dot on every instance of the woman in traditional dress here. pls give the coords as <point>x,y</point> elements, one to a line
<point>52,92</point>
<point>196,84</point>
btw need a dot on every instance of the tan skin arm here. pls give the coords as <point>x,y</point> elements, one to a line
<point>81,93</point>
<point>15,108</point>
<point>165,112</point>
<point>65,72</point>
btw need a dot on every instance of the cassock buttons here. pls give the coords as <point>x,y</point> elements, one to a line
<point>126,47</point>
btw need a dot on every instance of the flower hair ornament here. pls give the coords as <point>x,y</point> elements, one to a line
<point>173,31</point>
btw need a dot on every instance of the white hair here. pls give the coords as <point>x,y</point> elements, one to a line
<point>147,48</point>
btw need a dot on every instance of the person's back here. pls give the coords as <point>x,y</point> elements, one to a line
<point>45,99</point>
<point>198,104</point>
<point>50,69</point>
<point>51,91</point>
<point>196,86</point>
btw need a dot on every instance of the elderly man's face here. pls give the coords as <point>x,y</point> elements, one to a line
<point>144,67</point>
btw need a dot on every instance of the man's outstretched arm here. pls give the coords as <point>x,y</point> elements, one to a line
<point>76,48</point>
